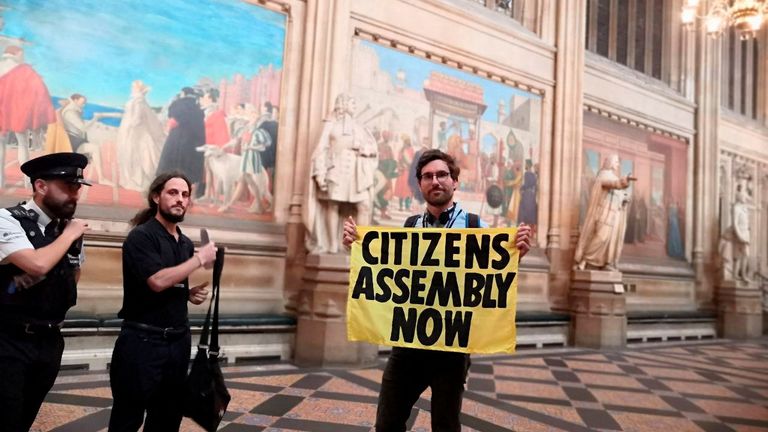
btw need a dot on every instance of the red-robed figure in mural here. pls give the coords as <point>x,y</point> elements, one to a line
<point>25,105</point>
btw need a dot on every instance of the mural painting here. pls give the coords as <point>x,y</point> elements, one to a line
<point>410,104</point>
<point>142,87</point>
<point>656,209</point>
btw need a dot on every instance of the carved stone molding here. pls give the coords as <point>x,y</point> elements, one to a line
<point>633,123</point>
<point>276,5</point>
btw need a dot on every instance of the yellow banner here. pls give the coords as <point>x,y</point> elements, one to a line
<point>447,289</point>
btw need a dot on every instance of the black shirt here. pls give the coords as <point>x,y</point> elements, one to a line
<point>148,249</point>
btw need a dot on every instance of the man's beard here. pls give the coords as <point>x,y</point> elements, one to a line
<point>172,218</point>
<point>60,209</point>
<point>444,198</point>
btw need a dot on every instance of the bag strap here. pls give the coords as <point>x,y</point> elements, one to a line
<point>411,221</point>
<point>213,349</point>
<point>473,220</point>
<point>218,266</point>
<point>203,344</point>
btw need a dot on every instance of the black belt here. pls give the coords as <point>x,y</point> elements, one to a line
<point>31,328</point>
<point>165,333</point>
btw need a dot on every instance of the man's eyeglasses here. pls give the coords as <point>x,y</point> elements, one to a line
<point>441,176</point>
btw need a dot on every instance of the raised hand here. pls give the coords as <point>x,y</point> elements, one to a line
<point>523,239</point>
<point>350,232</point>
<point>75,229</point>
<point>207,255</point>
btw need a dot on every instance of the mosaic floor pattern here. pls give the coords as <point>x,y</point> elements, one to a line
<point>707,386</point>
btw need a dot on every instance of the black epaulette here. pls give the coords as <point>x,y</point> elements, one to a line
<point>19,212</point>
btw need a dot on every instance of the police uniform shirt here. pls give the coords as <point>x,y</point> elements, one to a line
<point>12,235</point>
<point>148,249</point>
<point>457,219</point>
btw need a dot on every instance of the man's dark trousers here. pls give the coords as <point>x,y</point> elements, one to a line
<point>148,373</point>
<point>29,363</point>
<point>408,373</point>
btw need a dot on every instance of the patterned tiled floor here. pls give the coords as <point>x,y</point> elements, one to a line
<point>707,386</point>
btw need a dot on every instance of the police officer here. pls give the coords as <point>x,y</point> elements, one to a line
<point>40,258</point>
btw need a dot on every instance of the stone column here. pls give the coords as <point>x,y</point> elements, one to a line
<point>321,331</point>
<point>567,134</point>
<point>740,309</point>
<point>705,67</point>
<point>316,286</point>
<point>599,309</point>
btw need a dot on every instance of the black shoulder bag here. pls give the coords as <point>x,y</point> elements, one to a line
<point>206,397</point>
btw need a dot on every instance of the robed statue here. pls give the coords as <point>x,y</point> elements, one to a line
<point>602,234</point>
<point>734,245</point>
<point>342,173</point>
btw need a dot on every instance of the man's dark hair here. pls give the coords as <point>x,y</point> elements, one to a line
<point>76,96</point>
<point>155,188</point>
<point>269,107</point>
<point>433,155</point>
<point>213,94</point>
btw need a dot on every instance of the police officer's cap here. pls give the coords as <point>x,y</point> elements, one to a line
<point>64,166</point>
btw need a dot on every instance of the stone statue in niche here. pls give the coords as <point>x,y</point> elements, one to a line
<point>735,241</point>
<point>602,234</point>
<point>342,172</point>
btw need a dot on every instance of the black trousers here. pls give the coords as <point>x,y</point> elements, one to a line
<point>29,364</point>
<point>148,374</point>
<point>408,373</point>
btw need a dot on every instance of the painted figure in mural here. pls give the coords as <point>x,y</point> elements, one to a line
<point>342,171</point>
<point>442,137</point>
<point>77,131</point>
<point>637,219</point>
<point>186,124</point>
<point>529,213</point>
<point>602,235</point>
<point>513,177</point>
<point>413,183</point>
<point>253,142</point>
<point>493,174</point>
<point>386,171</point>
<point>675,246</point>
<point>270,125</point>
<point>40,258</point>
<point>56,138</point>
<point>26,109</point>
<point>140,139</point>
<point>237,122</point>
<point>513,180</point>
<point>404,161</point>
<point>216,134</point>
<point>216,129</point>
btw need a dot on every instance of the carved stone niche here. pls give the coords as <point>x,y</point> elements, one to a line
<point>739,296</point>
<point>598,308</point>
<point>321,330</point>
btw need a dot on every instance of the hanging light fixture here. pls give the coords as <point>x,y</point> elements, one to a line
<point>746,16</point>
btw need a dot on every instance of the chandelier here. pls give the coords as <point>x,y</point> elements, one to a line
<point>746,16</point>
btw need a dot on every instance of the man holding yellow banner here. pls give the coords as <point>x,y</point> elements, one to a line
<point>434,296</point>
